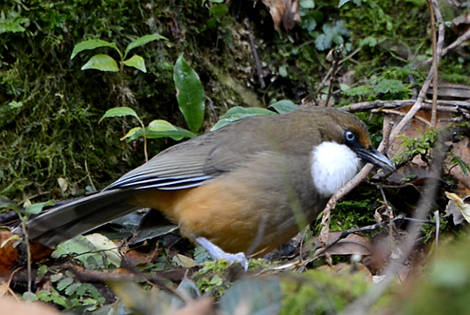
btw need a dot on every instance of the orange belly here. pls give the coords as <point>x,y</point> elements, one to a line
<point>227,214</point>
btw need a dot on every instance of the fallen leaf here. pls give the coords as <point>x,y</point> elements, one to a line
<point>352,244</point>
<point>8,254</point>
<point>459,204</point>
<point>418,126</point>
<point>94,251</point>
<point>285,12</point>
<point>183,261</point>
<point>62,184</point>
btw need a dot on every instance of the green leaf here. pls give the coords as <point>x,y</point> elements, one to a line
<point>6,203</point>
<point>92,44</point>
<point>283,71</point>
<point>241,112</point>
<point>322,42</point>
<point>161,129</point>
<point>71,289</point>
<point>307,4</point>
<point>218,10</point>
<point>308,23</point>
<point>101,62</point>
<point>30,296</point>
<point>42,270</point>
<point>370,41</point>
<point>463,166</point>
<point>56,277</point>
<point>36,208</point>
<point>13,22</point>
<point>189,93</point>
<point>343,2</point>
<point>133,134</point>
<point>284,106</point>
<point>14,237</point>
<point>237,113</point>
<point>389,86</point>
<point>94,251</point>
<point>137,62</point>
<point>142,41</point>
<point>62,284</point>
<point>14,104</point>
<point>161,125</point>
<point>119,112</point>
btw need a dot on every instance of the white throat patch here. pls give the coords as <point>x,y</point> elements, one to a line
<point>333,165</point>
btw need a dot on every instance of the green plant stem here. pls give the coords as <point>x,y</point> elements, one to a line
<point>28,249</point>
<point>145,139</point>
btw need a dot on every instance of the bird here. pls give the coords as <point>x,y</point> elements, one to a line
<point>241,190</point>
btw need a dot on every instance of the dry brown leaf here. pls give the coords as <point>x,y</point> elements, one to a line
<point>415,129</point>
<point>351,245</point>
<point>458,207</point>
<point>285,12</point>
<point>8,254</point>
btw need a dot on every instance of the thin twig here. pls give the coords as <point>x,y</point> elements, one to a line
<point>361,305</point>
<point>210,103</point>
<point>9,282</point>
<point>256,58</point>
<point>434,64</point>
<point>438,226</point>
<point>28,251</point>
<point>134,275</point>
<point>89,176</point>
<point>396,112</point>
<point>330,71</point>
<point>419,101</point>
<point>386,135</point>
<point>448,105</point>
<point>343,191</point>
<point>459,41</point>
<point>337,196</point>
<point>368,228</point>
<point>336,54</point>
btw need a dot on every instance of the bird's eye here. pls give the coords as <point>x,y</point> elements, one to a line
<point>349,136</point>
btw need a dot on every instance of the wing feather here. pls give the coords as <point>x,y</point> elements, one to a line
<point>191,163</point>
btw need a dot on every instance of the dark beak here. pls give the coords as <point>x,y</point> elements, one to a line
<point>373,156</point>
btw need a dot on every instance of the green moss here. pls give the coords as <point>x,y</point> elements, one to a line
<point>321,292</point>
<point>55,131</point>
<point>444,287</point>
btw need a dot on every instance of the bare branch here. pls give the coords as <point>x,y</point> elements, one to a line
<point>361,305</point>
<point>419,101</point>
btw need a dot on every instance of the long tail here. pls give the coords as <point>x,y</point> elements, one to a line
<point>68,220</point>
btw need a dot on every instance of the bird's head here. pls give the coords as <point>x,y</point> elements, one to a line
<point>345,142</point>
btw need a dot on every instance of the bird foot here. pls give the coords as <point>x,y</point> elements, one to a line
<point>218,253</point>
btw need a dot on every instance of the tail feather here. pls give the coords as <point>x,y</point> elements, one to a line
<point>70,219</point>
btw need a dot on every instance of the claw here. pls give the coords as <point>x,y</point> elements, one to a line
<point>218,253</point>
